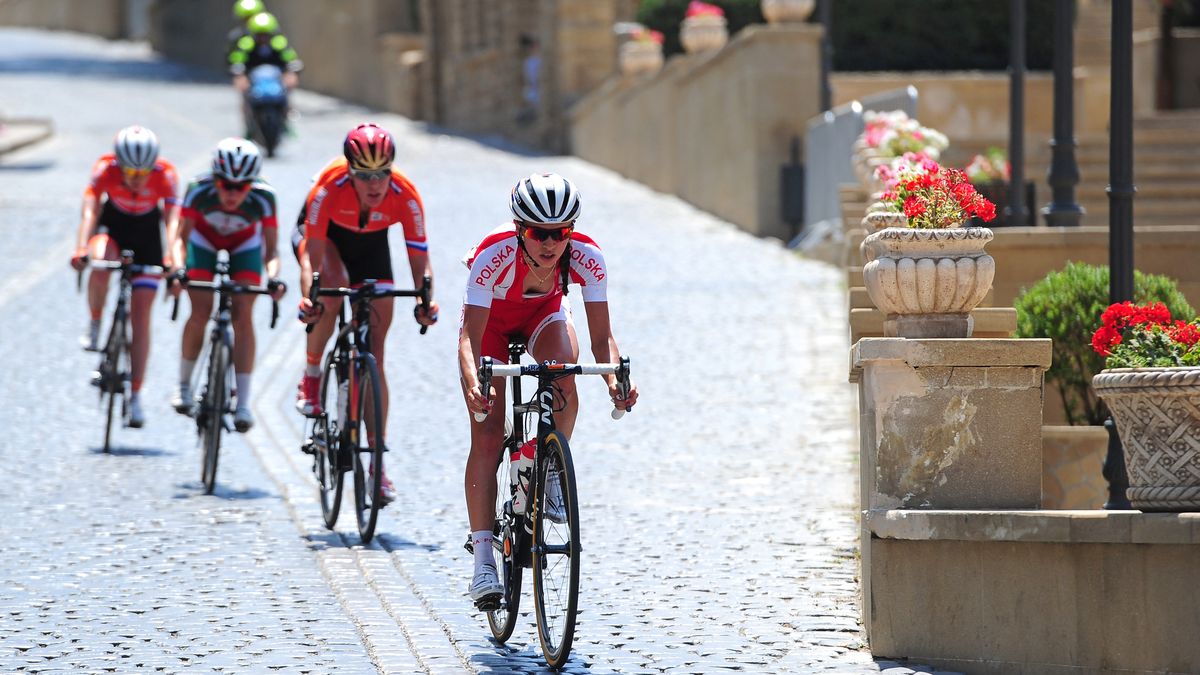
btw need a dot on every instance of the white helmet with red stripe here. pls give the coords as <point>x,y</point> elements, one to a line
<point>236,159</point>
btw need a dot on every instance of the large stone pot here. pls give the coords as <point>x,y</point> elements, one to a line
<point>787,11</point>
<point>703,33</point>
<point>926,282</point>
<point>637,57</point>
<point>1157,411</point>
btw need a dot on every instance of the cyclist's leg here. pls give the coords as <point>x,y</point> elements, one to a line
<point>245,266</point>
<point>555,340</point>
<point>381,321</point>
<point>333,274</point>
<point>142,235</point>
<point>201,265</point>
<point>487,439</point>
<point>139,319</point>
<point>100,247</point>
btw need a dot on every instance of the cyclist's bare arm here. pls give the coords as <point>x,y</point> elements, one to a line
<point>171,216</point>
<point>314,254</point>
<point>177,237</point>
<point>418,264</point>
<point>87,227</point>
<point>605,350</point>
<point>271,251</point>
<point>475,319</point>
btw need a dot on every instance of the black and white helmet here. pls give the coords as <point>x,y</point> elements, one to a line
<point>136,147</point>
<point>236,159</point>
<point>545,198</point>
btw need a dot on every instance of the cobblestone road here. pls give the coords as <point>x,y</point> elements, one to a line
<point>718,519</point>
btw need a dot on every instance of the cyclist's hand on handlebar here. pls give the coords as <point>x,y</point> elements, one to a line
<point>176,281</point>
<point>476,403</point>
<point>309,312</point>
<point>426,316</point>
<point>79,260</point>
<point>277,288</point>
<point>619,402</point>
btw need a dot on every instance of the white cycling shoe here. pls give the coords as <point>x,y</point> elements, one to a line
<point>485,588</point>
<point>243,419</point>
<point>182,400</point>
<point>137,417</point>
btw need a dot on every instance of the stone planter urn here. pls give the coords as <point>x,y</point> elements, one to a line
<point>787,11</point>
<point>637,57</point>
<point>879,219</point>
<point>1157,411</point>
<point>703,33</point>
<point>926,282</point>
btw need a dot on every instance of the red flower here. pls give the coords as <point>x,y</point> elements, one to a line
<point>697,8</point>
<point>1104,339</point>
<point>1185,333</point>
<point>913,207</point>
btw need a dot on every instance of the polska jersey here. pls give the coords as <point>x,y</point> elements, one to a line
<point>229,229</point>
<point>107,181</point>
<point>498,269</point>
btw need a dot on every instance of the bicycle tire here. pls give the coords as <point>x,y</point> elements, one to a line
<point>503,620</point>
<point>327,430</point>
<point>368,480</point>
<point>555,551</point>
<point>214,412</point>
<point>111,377</point>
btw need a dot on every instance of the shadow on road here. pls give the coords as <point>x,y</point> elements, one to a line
<point>27,166</point>
<point>391,542</point>
<point>196,490</point>
<point>117,69</point>
<point>132,452</point>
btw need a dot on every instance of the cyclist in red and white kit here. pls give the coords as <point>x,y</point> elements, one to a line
<point>131,195</point>
<point>517,288</point>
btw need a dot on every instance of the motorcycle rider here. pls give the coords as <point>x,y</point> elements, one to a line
<point>264,44</point>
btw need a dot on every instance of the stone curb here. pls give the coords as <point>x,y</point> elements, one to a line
<point>18,132</point>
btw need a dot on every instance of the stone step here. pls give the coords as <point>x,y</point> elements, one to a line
<point>990,322</point>
<point>861,299</point>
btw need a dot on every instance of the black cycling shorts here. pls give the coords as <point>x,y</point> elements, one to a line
<point>140,234</point>
<point>366,255</point>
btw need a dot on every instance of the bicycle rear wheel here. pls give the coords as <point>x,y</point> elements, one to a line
<point>367,445</point>
<point>212,414</point>
<point>502,620</point>
<point>327,429</point>
<point>555,549</point>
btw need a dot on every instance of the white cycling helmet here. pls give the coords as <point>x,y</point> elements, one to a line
<point>545,198</point>
<point>136,147</point>
<point>236,159</point>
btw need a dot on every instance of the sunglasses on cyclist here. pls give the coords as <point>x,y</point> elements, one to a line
<point>544,233</point>
<point>371,175</point>
<point>233,185</point>
<point>130,172</point>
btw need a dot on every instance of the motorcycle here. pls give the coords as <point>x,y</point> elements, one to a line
<point>267,101</point>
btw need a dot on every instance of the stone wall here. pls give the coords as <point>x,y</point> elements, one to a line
<point>105,18</point>
<point>713,128</point>
<point>1187,67</point>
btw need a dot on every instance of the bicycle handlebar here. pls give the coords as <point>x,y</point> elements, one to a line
<point>232,288</point>
<point>370,291</point>
<point>118,265</point>
<point>488,370</point>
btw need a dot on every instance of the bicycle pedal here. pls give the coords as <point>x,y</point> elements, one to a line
<point>489,603</point>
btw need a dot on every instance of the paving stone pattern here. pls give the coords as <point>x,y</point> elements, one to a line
<point>718,520</point>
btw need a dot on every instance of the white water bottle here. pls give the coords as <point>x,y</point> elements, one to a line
<point>343,402</point>
<point>520,470</point>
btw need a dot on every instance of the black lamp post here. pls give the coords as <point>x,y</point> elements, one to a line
<point>1120,211</point>
<point>825,16</point>
<point>1017,213</point>
<point>1063,210</point>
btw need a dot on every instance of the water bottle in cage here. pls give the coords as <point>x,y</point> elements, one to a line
<point>343,402</point>
<point>520,471</point>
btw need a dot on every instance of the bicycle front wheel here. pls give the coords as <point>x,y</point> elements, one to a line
<point>502,620</point>
<point>212,414</point>
<point>328,464</point>
<point>555,549</point>
<point>112,375</point>
<point>366,442</point>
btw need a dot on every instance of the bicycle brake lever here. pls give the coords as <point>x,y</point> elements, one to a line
<point>274,311</point>
<point>175,309</point>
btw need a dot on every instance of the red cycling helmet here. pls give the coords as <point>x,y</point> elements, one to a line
<point>369,147</point>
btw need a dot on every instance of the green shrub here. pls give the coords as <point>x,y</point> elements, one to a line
<point>666,15</point>
<point>1066,307</point>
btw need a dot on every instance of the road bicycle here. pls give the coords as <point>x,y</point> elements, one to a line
<point>212,406</point>
<point>545,534</point>
<point>350,424</point>
<point>112,375</point>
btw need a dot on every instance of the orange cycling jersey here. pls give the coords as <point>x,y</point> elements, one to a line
<point>163,184</point>
<point>332,201</point>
